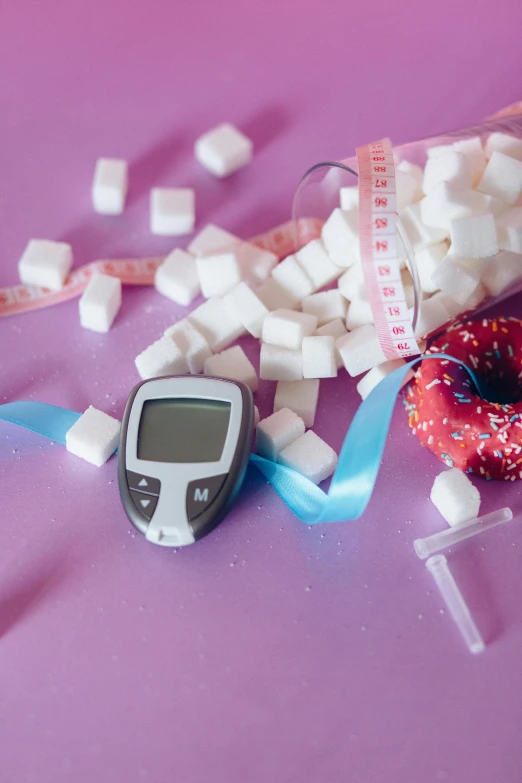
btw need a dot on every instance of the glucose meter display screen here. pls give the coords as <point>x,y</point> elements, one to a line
<point>183,430</point>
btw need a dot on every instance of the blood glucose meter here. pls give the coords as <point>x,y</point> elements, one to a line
<point>184,448</point>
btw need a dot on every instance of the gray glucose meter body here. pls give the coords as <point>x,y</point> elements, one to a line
<point>184,448</point>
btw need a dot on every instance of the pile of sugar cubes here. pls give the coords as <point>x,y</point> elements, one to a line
<point>310,310</point>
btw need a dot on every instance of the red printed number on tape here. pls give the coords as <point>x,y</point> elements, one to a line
<point>379,254</point>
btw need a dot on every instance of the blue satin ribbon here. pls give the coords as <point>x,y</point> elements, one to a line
<point>359,461</point>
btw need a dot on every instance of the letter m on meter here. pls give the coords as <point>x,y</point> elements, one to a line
<point>201,495</point>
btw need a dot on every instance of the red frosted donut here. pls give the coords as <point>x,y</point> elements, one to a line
<point>448,417</point>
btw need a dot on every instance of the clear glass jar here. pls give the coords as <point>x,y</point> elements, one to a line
<point>318,195</point>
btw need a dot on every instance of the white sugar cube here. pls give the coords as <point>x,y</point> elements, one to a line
<point>191,343</point>
<point>310,456</point>
<point>326,306</point>
<point>278,431</point>
<point>451,167</point>
<point>340,235</point>
<point>275,297</point>
<point>100,302</point>
<point>164,357</point>
<point>280,364</point>
<point>319,357</point>
<point>172,211</point>
<point>255,263</point>
<point>427,261</point>
<point>223,150</point>
<point>212,238</point>
<point>351,285</point>
<point>217,325</point>
<point>335,329</point>
<point>247,308</point>
<point>349,197</point>
<point>503,270</point>
<point>293,279</point>
<point>218,273</point>
<point>502,142</point>
<point>286,328</point>
<point>446,202</point>
<point>45,263</point>
<point>509,230</point>
<point>300,396</point>
<point>177,277</point>
<point>474,236</point>
<point>408,189</point>
<point>313,258</point>
<point>476,298</point>
<point>360,350</point>
<point>472,149</point>
<point>94,436</point>
<point>109,186</point>
<point>233,364</point>
<point>419,234</point>
<point>376,374</point>
<point>502,178</point>
<point>457,499</point>
<point>359,313</point>
<point>433,314</point>
<point>417,172</point>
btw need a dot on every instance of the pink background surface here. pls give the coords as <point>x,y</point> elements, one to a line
<point>270,651</point>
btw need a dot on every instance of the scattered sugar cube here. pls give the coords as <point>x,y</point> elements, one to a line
<point>335,329</point>
<point>286,328</point>
<point>427,261</point>
<point>419,234</point>
<point>507,145</point>
<point>340,235</point>
<point>247,308</point>
<point>360,350</point>
<point>509,230</point>
<point>457,499</point>
<point>223,150</point>
<point>233,364</point>
<point>433,315</point>
<point>300,396</point>
<point>452,166</point>
<point>310,456</point>
<point>359,313</point>
<point>408,188</point>
<point>446,202</point>
<point>109,186</point>
<point>280,364</point>
<point>172,211</point>
<point>474,236</point>
<point>164,357</point>
<point>100,302</point>
<point>94,436</point>
<point>45,263</point>
<point>218,273</point>
<point>326,306</point>
<point>349,198</point>
<point>351,285</point>
<point>211,239</point>
<point>177,277</point>
<point>319,357</point>
<point>317,264</point>
<point>217,325</point>
<point>502,271</point>
<point>192,344</point>
<point>275,297</point>
<point>502,178</point>
<point>278,431</point>
<point>293,279</point>
<point>376,374</point>
<point>255,263</point>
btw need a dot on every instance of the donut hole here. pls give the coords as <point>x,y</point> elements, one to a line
<point>501,379</point>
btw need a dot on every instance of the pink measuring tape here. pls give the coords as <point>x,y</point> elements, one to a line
<point>379,255</point>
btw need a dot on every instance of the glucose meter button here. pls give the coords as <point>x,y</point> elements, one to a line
<point>146,504</point>
<point>143,483</point>
<point>201,493</point>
